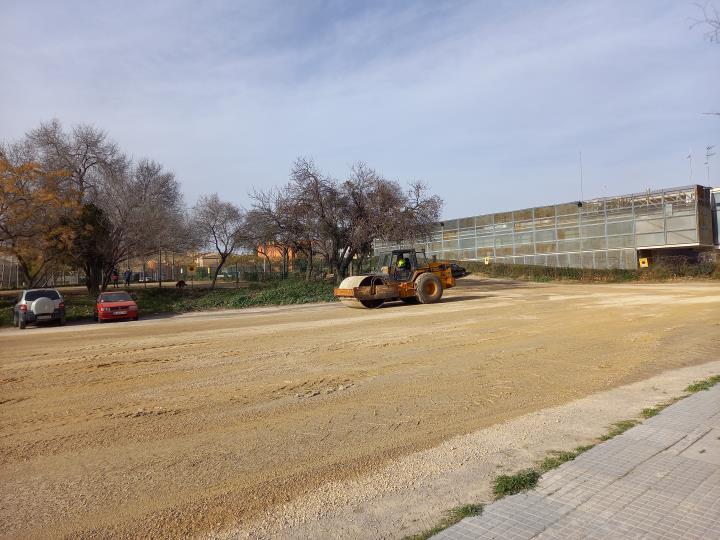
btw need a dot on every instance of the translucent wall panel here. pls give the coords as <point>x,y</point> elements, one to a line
<point>622,227</point>
<point>589,230</point>
<point>546,247</point>
<point>503,240</point>
<point>602,233</point>
<point>593,243</point>
<point>485,241</point>
<point>649,240</point>
<point>682,237</point>
<point>524,237</point>
<point>621,241</point>
<point>649,226</point>
<point>545,235</point>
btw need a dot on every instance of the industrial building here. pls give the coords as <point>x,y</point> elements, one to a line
<point>610,232</point>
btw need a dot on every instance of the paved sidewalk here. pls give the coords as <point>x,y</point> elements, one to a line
<point>658,480</point>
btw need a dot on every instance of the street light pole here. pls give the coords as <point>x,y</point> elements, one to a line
<point>708,154</point>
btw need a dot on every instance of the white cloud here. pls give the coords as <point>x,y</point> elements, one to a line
<point>490,105</point>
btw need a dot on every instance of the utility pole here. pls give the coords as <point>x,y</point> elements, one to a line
<point>708,154</point>
<point>581,179</point>
<point>580,204</point>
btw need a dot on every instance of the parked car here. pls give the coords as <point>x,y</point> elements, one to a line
<point>458,271</point>
<point>39,305</point>
<point>115,305</point>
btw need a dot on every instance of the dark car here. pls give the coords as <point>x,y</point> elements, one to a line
<point>458,271</point>
<point>39,305</point>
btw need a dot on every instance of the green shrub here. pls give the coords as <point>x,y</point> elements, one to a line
<point>451,518</point>
<point>506,484</point>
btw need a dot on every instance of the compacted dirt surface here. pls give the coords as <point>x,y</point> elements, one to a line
<point>221,423</point>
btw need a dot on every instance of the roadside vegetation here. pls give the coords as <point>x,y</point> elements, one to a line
<point>527,479</point>
<point>73,199</point>
<point>705,384</point>
<point>452,517</point>
<point>79,305</point>
<point>670,268</point>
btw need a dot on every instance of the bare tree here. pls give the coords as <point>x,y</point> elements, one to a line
<point>709,21</point>
<point>85,152</point>
<point>219,224</point>
<point>282,217</point>
<point>146,213</point>
<point>345,217</point>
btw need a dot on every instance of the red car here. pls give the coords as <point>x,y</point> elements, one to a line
<point>115,305</point>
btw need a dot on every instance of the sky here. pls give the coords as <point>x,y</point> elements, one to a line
<point>490,103</point>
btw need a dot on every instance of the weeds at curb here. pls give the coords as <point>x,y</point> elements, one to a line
<point>558,457</point>
<point>704,384</point>
<point>649,412</point>
<point>619,428</point>
<point>505,485</point>
<point>524,480</point>
<point>453,516</point>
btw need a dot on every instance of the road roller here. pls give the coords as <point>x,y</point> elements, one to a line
<point>402,274</point>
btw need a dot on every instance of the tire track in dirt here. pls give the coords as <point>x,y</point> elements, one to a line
<point>188,425</point>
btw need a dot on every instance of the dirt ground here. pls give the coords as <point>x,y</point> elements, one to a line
<point>230,423</point>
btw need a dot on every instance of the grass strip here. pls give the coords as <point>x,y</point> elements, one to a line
<point>618,428</point>
<point>152,300</point>
<point>452,517</point>
<point>511,484</point>
<point>704,384</point>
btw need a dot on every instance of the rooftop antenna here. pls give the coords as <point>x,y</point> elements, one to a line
<point>708,154</point>
<point>580,203</point>
<point>689,157</point>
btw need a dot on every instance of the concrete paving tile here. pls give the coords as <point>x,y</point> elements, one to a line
<point>657,480</point>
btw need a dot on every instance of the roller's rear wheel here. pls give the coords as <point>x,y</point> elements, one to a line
<point>428,288</point>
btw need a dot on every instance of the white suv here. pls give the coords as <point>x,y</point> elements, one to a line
<point>39,305</point>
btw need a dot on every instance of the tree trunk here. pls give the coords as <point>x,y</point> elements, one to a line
<point>269,264</point>
<point>217,271</point>
<point>93,278</point>
<point>309,269</point>
<point>160,268</point>
<point>343,263</point>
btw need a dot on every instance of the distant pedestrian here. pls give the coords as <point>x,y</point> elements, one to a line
<point>126,276</point>
<point>115,278</point>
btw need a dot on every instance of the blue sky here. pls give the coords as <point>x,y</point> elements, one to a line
<point>489,102</point>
